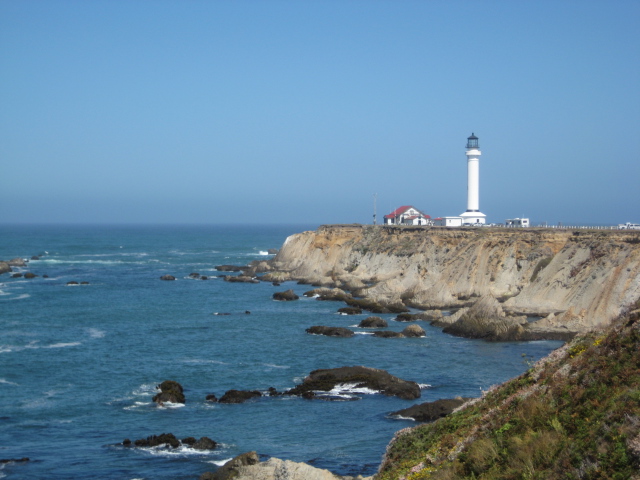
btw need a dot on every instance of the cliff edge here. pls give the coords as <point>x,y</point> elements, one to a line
<point>573,279</point>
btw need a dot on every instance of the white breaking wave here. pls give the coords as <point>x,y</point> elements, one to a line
<point>95,333</point>
<point>424,385</point>
<point>19,297</point>
<point>146,389</point>
<point>62,345</point>
<point>363,333</point>
<point>220,463</point>
<point>7,382</point>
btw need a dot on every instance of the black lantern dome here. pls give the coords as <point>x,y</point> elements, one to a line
<point>472,141</point>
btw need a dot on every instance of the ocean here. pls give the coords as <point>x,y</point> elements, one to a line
<point>79,364</point>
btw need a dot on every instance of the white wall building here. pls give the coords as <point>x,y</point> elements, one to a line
<point>448,221</point>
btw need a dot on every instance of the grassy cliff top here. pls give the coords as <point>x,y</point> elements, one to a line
<point>573,415</point>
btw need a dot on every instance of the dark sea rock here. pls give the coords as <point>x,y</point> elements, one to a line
<point>14,460</point>
<point>194,275</point>
<point>231,268</point>
<point>272,251</point>
<point>230,469</point>
<point>431,411</point>
<point>73,282</point>
<point>170,391</point>
<point>241,279</point>
<point>239,396</point>
<point>350,310</point>
<point>285,296</point>
<point>330,331</point>
<point>35,257</point>
<point>373,322</point>
<point>167,277</point>
<point>167,439</point>
<point>388,334</point>
<point>204,443</point>
<point>4,268</point>
<point>211,398</point>
<point>406,317</point>
<point>16,275</point>
<point>373,378</point>
<point>30,275</point>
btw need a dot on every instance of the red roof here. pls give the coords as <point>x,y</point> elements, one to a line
<point>400,210</point>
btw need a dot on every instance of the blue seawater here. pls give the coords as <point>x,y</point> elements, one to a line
<point>79,364</point>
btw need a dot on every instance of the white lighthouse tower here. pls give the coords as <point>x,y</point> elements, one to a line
<point>473,214</point>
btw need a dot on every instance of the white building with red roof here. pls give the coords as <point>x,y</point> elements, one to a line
<point>407,215</point>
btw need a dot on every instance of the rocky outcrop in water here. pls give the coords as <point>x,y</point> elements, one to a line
<point>373,322</point>
<point>171,441</point>
<point>170,391</point>
<point>4,268</point>
<point>575,279</point>
<point>359,376</point>
<point>285,296</point>
<point>330,331</point>
<point>167,277</point>
<point>239,396</point>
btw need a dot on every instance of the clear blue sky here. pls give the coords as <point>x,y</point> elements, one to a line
<point>194,111</point>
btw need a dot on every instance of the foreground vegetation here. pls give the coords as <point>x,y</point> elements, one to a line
<point>573,415</point>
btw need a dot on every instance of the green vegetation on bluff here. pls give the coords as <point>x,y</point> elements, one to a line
<point>574,415</point>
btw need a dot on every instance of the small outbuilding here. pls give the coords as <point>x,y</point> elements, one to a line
<point>448,221</point>
<point>407,215</point>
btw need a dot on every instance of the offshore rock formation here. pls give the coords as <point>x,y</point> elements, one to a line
<point>574,279</point>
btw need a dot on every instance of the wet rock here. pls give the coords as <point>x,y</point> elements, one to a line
<point>170,391</point>
<point>204,443</point>
<point>414,331</point>
<point>84,283</point>
<point>194,275</point>
<point>204,277</point>
<point>373,378</point>
<point>167,277</point>
<point>16,275</point>
<point>231,268</point>
<point>431,411</point>
<point>350,310</point>
<point>285,296</point>
<point>4,267</point>
<point>166,439</point>
<point>406,317</point>
<point>14,460</point>
<point>35,257</point>
<point>73,282</point>
<point>373,322</point>
<point>30,275</point>
<point>240,279</point>
<point>272,251</point>
<point>388,334</point>
<point>330,331</point>
<point>211,398</point>
<point>230,470</point>
<point>239,396</point>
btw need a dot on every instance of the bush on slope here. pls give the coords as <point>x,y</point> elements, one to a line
<point>574,415</point>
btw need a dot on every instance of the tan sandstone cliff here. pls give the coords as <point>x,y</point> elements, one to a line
<point>573,278</point>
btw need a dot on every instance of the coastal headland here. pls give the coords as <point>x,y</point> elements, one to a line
<point>568,281</point>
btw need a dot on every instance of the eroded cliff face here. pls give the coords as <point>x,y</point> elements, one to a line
<point>578,278</point>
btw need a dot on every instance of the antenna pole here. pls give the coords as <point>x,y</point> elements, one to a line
<point>375,216</point>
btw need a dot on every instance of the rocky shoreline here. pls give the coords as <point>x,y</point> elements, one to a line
<point>493,281</point>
